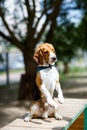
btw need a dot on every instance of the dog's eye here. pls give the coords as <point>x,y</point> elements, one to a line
<point>53,51</point>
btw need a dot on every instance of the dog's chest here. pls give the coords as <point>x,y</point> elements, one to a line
<point>49,76</point>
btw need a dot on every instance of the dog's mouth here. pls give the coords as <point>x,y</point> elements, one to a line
<point>53,60</point>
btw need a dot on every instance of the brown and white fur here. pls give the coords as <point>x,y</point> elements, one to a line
<point>47,81</point>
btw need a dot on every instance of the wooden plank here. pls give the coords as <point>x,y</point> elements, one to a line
<point>76,114</point>
<point>71,110</point>
<point>78,124</point>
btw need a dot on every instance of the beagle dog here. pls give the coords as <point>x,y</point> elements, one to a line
<point>47,81</point>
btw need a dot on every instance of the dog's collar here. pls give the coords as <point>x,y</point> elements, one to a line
<point>39,68</point>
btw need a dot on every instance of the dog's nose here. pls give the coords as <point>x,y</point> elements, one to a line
<point>54,58</point>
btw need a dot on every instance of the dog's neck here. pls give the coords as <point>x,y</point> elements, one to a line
<point>42,67</point>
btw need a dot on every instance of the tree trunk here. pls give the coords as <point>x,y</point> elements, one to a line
<point>66,68</point>
<point>28,89</point>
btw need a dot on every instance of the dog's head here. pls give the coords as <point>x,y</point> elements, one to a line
<point>45,54</point>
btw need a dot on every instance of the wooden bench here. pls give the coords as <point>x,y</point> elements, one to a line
<point>74,113</point>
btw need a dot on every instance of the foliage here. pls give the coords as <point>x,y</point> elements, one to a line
<point>68,36</point>
<point>65,42</point>
<point>82,30</point>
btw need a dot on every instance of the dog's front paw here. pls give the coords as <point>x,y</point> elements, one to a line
<point>61,99</point>
<point>26,119</point>
<point>58,117</point>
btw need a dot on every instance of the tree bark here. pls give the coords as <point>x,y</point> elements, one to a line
<point>66,68</point>
<point>28,89</point>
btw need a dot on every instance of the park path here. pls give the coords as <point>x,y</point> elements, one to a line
<point>76,86</point>
<point>13,77</point>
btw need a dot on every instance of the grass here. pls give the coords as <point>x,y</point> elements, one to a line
<point>12,71</point>
<point>78,70</point>
<point>75,71</point>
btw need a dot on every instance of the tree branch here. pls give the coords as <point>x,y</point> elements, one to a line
<point>44,12</point>
<point>28,8</point>
<point>56,10</point>
<point>31,16</point>
<point>21,6</point>
<point>53,24</point>
<point>34,6</point>
<point>49,36</point>
<point>5,37</point>
<point>50,17</point>
<point>14,40</point>
<point>42,30</point>
<point>18,45</point>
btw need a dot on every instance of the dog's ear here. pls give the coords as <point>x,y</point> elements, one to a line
<point>38,57</point>
<point>35,56</point>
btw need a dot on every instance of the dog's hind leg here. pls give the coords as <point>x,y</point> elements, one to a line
<point>35,112</point>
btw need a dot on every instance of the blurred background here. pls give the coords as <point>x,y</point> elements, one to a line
<point>23,25</point>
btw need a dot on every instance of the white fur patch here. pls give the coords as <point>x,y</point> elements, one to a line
<point>49,77</point>
<point>51,56</point>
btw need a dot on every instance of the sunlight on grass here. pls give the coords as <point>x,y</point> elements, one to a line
<point>12,71</point>
<point>75,71</point>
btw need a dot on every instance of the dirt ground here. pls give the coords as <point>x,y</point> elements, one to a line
<point>10,108</point>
